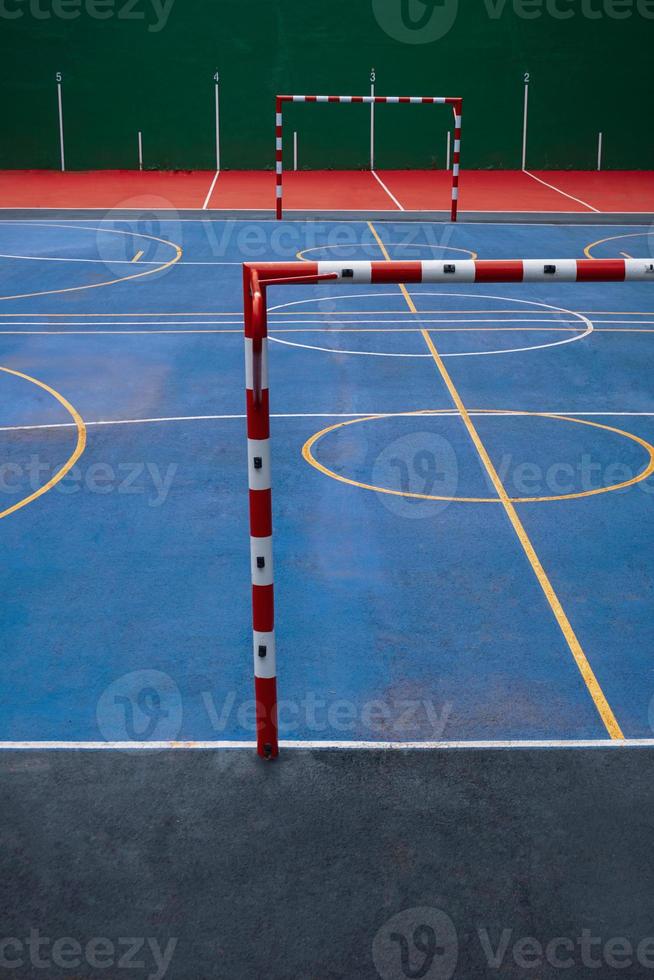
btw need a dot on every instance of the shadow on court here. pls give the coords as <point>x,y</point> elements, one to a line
<point>324,865</point>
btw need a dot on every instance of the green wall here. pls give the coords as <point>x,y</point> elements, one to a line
<point>590,71</point>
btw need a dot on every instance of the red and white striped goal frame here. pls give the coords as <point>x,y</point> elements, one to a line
<point>456,103</point>
<point>257,277</point>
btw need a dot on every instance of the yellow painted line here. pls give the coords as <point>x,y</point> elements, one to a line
<point>70,462</point>
<point>647,471</point>
<point>108,282</point>
<point>592,684</point>
<point>138,255</point>
<point>384,252</point>
<point>612,238</point>
<point>626,255</point>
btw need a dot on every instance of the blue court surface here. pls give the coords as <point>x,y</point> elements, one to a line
<point>414,615</point>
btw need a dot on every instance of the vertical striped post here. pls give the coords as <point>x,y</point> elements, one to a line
<point>458,113</point>
<point>279,164</point>
<point>373,79</point>
<point>258,432</point>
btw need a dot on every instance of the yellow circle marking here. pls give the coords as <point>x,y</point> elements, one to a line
<point>307,453</point>
<point>70,462</point>
<point>613,238</point>
<point>446,248</point>
<point>109,282</point>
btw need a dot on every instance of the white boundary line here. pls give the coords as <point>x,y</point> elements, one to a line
<point>384,187</point>
<point>591,743</point>
<point>559,191</point>
<point>208,197</point>
<point>436,413</point>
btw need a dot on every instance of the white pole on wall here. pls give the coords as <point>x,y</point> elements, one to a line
<point>449,150</point>
<point>216,79</point>
<point>58,78</point>
<point>525,123</point>
<point>599,151</point>
<point>373,79</point>
<point>140,150</point>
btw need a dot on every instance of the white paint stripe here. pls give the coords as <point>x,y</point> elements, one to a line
<point>261,550</point>
<point>571,743</point>
<point>264,666</point>
<point>384,187</point>
<point>361,271</point>
<point>473,353</point>
<point>276,311</point>
<point>315,415</point>
<point>281,311</point>
<point>210,192</point>
<point>259,478</point>
<point>559,191</point>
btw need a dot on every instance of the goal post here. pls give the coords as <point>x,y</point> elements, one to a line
<point>257,278</point>
<point>457,107</point>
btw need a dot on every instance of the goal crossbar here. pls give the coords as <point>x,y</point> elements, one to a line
<point>257,278</point>
<point>455,102</point>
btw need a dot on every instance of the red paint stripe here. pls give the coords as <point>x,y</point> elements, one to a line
<point>601,270</point>
<point>261,513</point>
<point>265,694</point>
<point>285,270</point>
<point>494,271</point>
<point>263,608</point>
<point>258,415</point>
<point>396,272</point>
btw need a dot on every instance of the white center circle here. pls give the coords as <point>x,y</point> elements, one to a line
<point>585,325</point>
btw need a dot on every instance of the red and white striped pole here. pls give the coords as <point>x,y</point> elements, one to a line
<point>456,160</point>
<point>261,558</point>
<point>257,276</point>
<point>279,160</point>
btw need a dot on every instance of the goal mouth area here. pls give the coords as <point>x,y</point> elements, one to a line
<point>257,277</point>
<point>456,102</point>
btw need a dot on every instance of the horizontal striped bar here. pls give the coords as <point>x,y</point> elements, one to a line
<point>467,270</point>
<point>377,99</point>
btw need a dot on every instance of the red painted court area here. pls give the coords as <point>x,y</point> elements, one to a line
<point>390,190</point>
